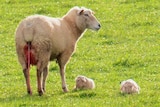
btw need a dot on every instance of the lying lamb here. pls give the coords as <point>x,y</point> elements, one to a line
<point>129,86</point>
<point>83,82</point>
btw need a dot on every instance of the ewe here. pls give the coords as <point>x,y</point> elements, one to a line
<point>40,39</point>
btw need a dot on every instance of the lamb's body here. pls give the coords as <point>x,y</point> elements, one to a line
<point>83,82</point>
<point>50,38</point>
<point>129,86</point>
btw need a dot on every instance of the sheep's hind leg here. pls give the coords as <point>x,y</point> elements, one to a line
<point>27,77</point>
<point>39,81</point>
<point>45,73</point>
<point>26,71</point>
<point>42,70</point>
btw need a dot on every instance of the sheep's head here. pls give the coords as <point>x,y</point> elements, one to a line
<point>83,17</point>
<point>87,19</point>
<point>80,81</point>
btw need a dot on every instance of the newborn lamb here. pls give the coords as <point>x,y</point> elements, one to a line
<point>83,82</point>
<point>129,86</point>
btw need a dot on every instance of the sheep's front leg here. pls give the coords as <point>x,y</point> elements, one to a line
<point>63,78</point>
<point>62,61</point>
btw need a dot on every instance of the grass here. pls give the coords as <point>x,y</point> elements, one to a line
<point>127,46</point>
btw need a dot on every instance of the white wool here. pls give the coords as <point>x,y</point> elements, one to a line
<point>83,82</point>
<point>129,86</point>
<point>53,39</point>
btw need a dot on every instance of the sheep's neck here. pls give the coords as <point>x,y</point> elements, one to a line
<point>76,31</point>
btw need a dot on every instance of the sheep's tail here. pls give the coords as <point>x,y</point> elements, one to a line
<point>29,55</point>
<point>28,31</point>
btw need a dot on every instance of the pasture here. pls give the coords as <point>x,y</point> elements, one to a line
<point>126,46</point>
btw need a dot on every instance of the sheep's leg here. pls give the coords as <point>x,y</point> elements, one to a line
<point>26,75</point>
<point>62,61</point>
<point>20,53</point>
<point>45,73</point>
<point>39,77</point>
<point>42,70</point>
<point>39,81</point>
<point>63,78</point>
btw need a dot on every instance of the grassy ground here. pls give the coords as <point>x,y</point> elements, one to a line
<point>127,46</point>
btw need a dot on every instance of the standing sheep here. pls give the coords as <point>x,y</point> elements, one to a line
<point>40,39</point>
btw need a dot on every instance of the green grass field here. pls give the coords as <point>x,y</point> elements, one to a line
<point>127,46</point>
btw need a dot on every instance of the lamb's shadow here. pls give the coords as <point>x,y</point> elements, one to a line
<point>82,94</point>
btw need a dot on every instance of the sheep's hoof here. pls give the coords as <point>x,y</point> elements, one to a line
<point>65,89</point>
<point>30,92</point>
<point>41,93</point>
<point>44,90</point>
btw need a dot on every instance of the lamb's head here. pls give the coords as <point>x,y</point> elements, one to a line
<point>86,19</point>
<point>80,81</point>
<point>122,83</point>
<point>129,86</point>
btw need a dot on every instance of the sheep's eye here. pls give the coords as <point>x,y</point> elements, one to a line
<point>86,15</point>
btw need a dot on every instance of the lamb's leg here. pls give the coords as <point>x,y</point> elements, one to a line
<point>45,73</point>
<point>27,77</point>
<point>62,61</point>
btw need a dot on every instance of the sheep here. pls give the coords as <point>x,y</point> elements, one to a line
<point>83,82</point>
<point>40,39</point>
<point>129,86</point>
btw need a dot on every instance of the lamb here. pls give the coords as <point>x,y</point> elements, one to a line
<point>129,86</point>
<point>83,82</point>
<point>40,39</point>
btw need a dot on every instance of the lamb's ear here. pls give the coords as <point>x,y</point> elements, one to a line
<point>80,12</point>
<point>76,78</point>
<point>83,79</point>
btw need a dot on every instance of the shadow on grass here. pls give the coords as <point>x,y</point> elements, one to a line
<point>82,94</point>
<point>35,96</point>
<point>18,98</point>
<point>48,99</point>
<point>26,101</point>
<point>127,95</point>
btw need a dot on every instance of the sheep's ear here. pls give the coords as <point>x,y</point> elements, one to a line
<point>80,12</point>
<point>84,79</point>
<point>93,12</point>
<point>75,78</point>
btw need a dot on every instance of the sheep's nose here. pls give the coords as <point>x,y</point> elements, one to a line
<point>99,25</point>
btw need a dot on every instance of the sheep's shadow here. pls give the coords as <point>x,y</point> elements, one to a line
<point>72,94</point>
<point>22,97</point>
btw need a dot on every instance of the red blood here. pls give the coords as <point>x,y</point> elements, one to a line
<point>29,55</point>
